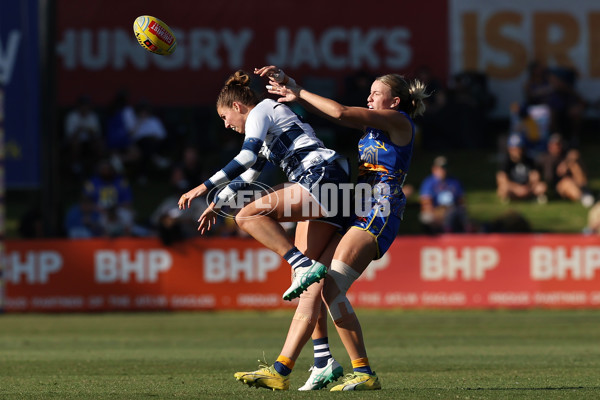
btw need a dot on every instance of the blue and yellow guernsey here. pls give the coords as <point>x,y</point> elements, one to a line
<point>384,166</point>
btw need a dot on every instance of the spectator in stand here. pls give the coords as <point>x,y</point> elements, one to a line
<point>118,222</point>
<point>108,188</point>
<point>187,174</point>
<point>518,177</point>
<point>556,88</point>
<point>83,220</point>
<point>171,223</point>
<point>83,137</point>
<point>112,195</point>
<point>442,201</point>
<point>149,136</point>
<point>533,122</point>
<point>563,171</point>
<point>174,225</point>
<point>119,131</point>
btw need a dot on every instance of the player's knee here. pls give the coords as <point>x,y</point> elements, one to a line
<point>240,219</point>
<point>244,217</point>
<point>330,290</point>
<point>309,306</point>
<point>340,278</point>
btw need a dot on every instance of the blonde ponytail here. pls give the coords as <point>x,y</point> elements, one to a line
<point>417,91</point>
<point>411,94</point>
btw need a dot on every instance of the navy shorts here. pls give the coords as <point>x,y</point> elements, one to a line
<point>324,182</point>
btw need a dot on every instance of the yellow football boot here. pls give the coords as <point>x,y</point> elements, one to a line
<point>358,381</point>
<point>266,377</point>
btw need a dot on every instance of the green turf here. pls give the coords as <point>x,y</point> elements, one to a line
<point>417,354</point>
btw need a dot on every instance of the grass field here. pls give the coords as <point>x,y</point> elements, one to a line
<point>536,354</point>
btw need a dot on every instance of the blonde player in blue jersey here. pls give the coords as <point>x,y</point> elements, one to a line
<point>385,153</point>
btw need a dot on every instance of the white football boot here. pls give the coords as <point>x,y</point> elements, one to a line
<point>303,277</point>
<point>321,377</point>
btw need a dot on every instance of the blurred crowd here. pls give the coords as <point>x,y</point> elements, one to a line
<point>123,167</point>
<point>117,155</point>
<point>104,156</point>
<point>539,157</point>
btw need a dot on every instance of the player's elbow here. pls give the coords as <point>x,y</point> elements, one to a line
<point>251,161</point>
<point>247,158</point>
<point>341,112</point>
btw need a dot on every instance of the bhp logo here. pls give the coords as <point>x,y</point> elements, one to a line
<point>142,266</point>
<point>35,267</point>
<point>236,266</point>
<point>38,267</point>
<point>468,263</point>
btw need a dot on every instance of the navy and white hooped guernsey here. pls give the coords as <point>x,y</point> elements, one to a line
<point>274,133</point>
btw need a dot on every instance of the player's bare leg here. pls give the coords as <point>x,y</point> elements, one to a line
<point>312,237</point>
<point>310,312</point>
<point>289,202</point>
<point>354,253</point>
<point>261,219</point>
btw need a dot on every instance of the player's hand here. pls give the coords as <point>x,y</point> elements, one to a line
<point>208,218</point>
<point>286,94</point>
<point>186,199</point>
<point>276,75</point>
<point>272,72</point>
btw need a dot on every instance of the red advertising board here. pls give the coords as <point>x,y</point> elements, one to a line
<point>98,54</point>
<point>320,43</point>
<point>454,271</point>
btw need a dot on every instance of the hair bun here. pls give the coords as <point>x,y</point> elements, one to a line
<point>238,78</point>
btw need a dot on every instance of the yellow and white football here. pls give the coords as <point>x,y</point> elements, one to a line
<point>154,35</point>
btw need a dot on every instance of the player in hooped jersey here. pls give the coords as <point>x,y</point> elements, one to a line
<point>385,153</point>
<point>274,133</point>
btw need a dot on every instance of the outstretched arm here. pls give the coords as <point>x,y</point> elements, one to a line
<point>289,91</point>
<point>358,117</point>
<point>240,164</point>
